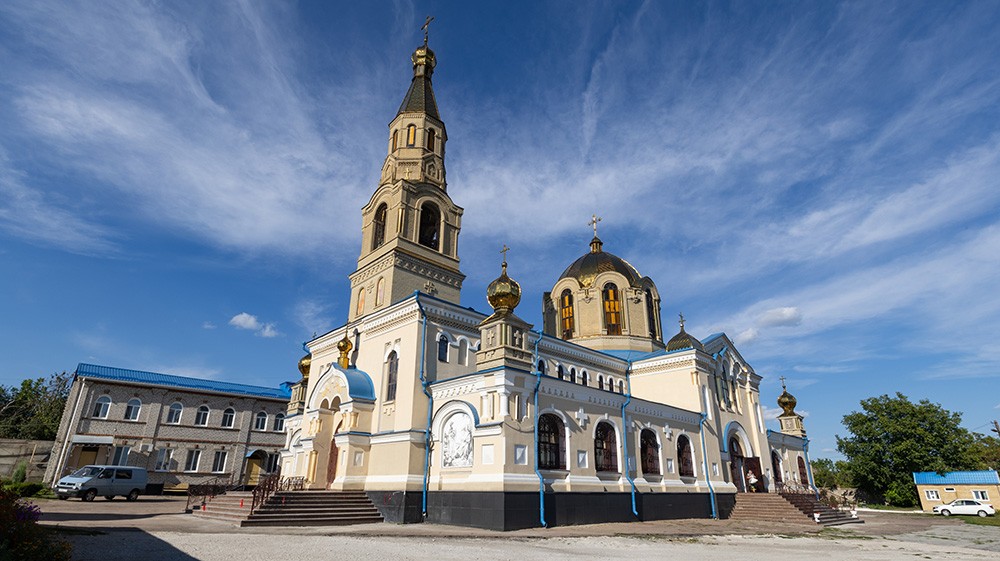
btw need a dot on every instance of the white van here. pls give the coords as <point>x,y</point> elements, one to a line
<point>107,481</point>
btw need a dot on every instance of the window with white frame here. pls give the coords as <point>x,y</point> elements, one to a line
<point>163,457</point>
<point>980,495</point>
<point>279,422</point>
<point>174,414</point>
<point>102,406</point>
<point>228,418</point>
<point>201,417</point>
<point>132,409</point>
<point>219,462</point>
<point>121,456</point>
<point>260,423</point>
<point>193,459</point>
<point>932,495</point>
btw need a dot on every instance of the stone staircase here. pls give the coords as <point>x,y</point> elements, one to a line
<point>786,508</point>
<point>294,508</point>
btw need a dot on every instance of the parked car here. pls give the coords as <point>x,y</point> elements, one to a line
<point>107,481</point>
<point>965,506</point>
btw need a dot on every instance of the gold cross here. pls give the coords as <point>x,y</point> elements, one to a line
<point>594,219</point>
<point>426,27</point>
<point>681,321</point>
<point>504,252</point>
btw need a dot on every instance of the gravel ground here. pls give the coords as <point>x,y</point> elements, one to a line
<point>156,528</point>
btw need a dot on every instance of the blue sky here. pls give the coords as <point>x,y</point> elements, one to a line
<point>181,183</point>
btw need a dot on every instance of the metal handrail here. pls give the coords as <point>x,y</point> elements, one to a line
<point>208,490</point>
<point>264,489</point>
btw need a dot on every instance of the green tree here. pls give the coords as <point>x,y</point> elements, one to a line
<point>33,410</point>
<point>829,474</point>
<point>989,451</point>
<point>892,437</point>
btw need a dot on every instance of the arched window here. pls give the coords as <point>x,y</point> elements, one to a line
<point>621,386</point>
<point>572,375</point>
<point>600,382</point>
<point>279,422</point>
<point>201,417</point>
<point>411,135</point>
<point>649,452</point>
<point>443,348</point>
<point>380,291</point>
<point>430,226</point>
<point>605,448</point>
<point>228,418</point>
<point>541,366</point>
<point>361,302</point>
<point>174,414</point>
<point>430,139</point>
<point>132,410</point>
<point>584,378</point>
<point>651,313</point>
<point>560,372</point>
<point>102,406</point>
<point>395,140</point>
<point>566,311</point>
<point>260,422</point>
<point>463,352</point>
<point>685,458</point>
<point>456,441</point>
<point>612,309</point>
<point>391,373</point>
<point>551,442</point>
<point>378,230</point>
<point>803,474</point>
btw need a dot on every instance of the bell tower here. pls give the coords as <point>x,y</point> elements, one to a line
<point>410,226</point>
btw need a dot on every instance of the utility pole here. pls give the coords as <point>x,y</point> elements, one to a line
<point>996,428</point>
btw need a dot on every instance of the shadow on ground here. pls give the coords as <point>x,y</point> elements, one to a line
<point>115,544</point>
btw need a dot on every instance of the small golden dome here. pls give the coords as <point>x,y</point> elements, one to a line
<point>304,364</point>
<point>786,401</point>
<point>344,346</point>
<point>683,340</point>
<point>504,293</point>
<point>424,57</point>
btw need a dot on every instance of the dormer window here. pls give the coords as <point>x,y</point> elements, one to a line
<point>430,139</point>
<point>411,135</point>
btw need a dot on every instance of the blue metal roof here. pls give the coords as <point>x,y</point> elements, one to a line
<point>141,377</point>
<point>359,384</point>
<point>985,477</point>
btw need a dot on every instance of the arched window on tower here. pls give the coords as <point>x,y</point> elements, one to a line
<point>561,372</point>
<point>621,386</point>
<point>651,313</point>
<point>600,382</point>
<point>378,231</point>
<point>612,309</point>
<point>431,137</point>
<point>395,140</point>
<point>430,226</point>
<point>551,443</point>
<point>541,366</point>
<point>361,302</point>
<point>411,135</point>
<point>605,448</point>
<point>443,348</point>
<point>566,311</point>
<point>649,452</point>
<point>380,291</point>
<point>685,459</point>
<point>391,374</point>
<point>572,375</point>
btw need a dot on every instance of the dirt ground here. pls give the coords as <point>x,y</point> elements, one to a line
<point>157,528</point>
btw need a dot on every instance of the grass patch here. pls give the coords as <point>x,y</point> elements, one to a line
<point>987,521</point>
<point>888,508</point>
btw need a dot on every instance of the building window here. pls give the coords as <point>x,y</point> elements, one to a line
<point>163,456</point>
<point>174,414</point>
<point>378,231</point>
<point>560,372</point>
<point>685,459</point>
<point>584,379</point>
<point>201,417</point>
<point>102,407</point>
<point>380,292</point>
<point>193,458</point>
<point>621,386</point>
<point>279,422</point>
<point>541,366</point>
<point>605,448</point>
<point>391,373</point>
<point>980,495</point>
<point>395,140</point>
<point>228,418</point>
<point>551,444</point>
<point>271,465</point>
<point>219,462</point>
<point>456,441</point>
<point>803,474</point>
<point>430,139</point>
<point>612,309</point>
<point>932,495</point>
<point>132,410</point>
<point>649,452</point>
<point>260,423</point>
<point>572,375</point>
<point>463,352</point>
<point>361,302</point>
<point>430,226</point>
<point>566,312</point>
<point>600,382</point>
<point>411,135</point>
<point>121,456</point>
<point>443,348</point>
<point>651,314</point>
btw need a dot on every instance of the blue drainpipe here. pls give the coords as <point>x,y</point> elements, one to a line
<point>628,399</point>
<point>704,461</point>
<point>809,471</point>
<point>430,404</point>
<point>541,480</point>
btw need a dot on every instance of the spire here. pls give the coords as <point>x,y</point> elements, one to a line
<point>420,97</point>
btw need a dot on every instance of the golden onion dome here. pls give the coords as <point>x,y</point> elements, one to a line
<point>597,261</point>
<point>344,346</point>
<point>304,364</point>
<point>504,293</point>
<point>424,56</point>
<point>786,401</point>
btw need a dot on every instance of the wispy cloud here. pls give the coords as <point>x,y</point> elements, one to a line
<point>249,322</point>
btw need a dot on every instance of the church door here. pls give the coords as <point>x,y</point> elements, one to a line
<point>331,466</point>
<point>776,467</point>
<point>753,465</point>
<point>736,465</point>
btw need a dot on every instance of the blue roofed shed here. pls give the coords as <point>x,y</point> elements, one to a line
<point>941,488</point>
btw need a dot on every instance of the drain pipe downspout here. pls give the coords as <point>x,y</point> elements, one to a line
<point>628,399</point>
<point>809,472</point>
<point>704,461</point>
<point>541,480</point>
<point>430,404</point>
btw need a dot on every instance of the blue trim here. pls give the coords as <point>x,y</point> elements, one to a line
<point>704,461</point>
<point>155,378</point>
<point>628,470</point>
<point>982,477</point>
<point>359,384</point>
<point>725,436</point>
<point>538,472</point>
<point>430,402</point>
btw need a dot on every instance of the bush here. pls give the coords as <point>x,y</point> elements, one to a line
<point>21,538</point>
<point>20,473</point>
<point>25,488</point>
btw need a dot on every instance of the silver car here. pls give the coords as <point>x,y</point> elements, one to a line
<point>966,506</point>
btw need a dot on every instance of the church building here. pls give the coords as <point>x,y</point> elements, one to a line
<point>445,414</point>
